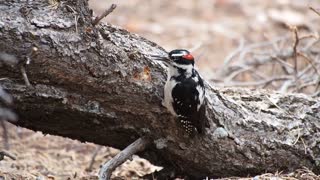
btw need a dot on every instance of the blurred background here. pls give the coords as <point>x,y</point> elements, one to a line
<point>249,43</point>
<point>213,29</point>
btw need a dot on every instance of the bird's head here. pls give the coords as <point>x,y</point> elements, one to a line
<point>181,56</point>
<point>177,56</point>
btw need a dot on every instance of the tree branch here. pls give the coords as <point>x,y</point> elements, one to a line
<point>137,146</point>
<point>104,14</point>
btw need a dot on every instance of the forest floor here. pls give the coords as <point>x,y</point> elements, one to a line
<point>212,29</point>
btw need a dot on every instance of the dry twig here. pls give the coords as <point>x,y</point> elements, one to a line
<point>23,63</point>
<point>259,83</point>
<point>294,29</point>
<point>268,56</point>
<point>93,158</point>
<point>5,135</point>
<point>137,146</point>
<point>3,154</point>
<point>314,10</point>
<point>24,75</point>
<point>103,15</point>
<point>76,17</point>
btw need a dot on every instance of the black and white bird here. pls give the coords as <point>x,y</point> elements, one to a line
<point>184,91</point>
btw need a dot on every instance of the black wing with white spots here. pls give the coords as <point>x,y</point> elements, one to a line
<point>187,104</point>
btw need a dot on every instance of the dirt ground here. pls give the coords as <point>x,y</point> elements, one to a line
<point>52,157</point>
<point>211,29</point>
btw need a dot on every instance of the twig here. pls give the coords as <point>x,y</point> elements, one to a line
<point>259,83</point>
<point>284,87</point>
<point>309,61</point>
<point>75,17</point>
<point>305,85</point>
<point>316,94</point>
<point>318,84</point>
<point>236,73</point>
<point>201,54</point>
<point>234,53</point>
<point>283,63</point>
<point>103,15</point>
<point>2,79</point>
<point>137,146</point>
<point>295,52</point>
<point>285,54</point>
<point>259,55</point>
<point>275,45</point>
<point>259,45</point>
<point>32,53</point>
<point>314,10</point>
<point>195,47</point>
<point>304,145</point>
<point>93,158</point>
<point>5,135</point>
<point>295,142</point>
<point>3,154</point>
<point>24,75</point>
<point>304,71</point>
<point>275,104</point>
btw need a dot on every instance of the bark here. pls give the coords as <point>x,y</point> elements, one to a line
<point>96,84</point>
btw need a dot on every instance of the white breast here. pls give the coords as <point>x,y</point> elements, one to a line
<point>170,84</point>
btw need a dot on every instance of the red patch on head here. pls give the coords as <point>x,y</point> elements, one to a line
<point>188,57</point>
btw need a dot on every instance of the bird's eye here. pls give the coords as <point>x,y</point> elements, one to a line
<point>188,57</point>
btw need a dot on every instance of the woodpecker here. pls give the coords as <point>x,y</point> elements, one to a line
<point>184,91</point>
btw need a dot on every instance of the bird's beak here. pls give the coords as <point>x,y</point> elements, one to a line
<point>160,58</point>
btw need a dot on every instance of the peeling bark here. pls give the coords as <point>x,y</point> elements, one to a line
<point>99,85</point>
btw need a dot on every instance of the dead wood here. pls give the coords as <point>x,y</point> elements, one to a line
<point>139,145</point>
<point>97,84</point>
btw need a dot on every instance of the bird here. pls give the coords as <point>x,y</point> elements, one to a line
<point>184,91</point>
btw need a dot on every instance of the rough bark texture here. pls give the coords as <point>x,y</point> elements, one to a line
<point>96,84</point>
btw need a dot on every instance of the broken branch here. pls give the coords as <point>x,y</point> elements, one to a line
<point>137,146</point>
<point>103,15</point>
